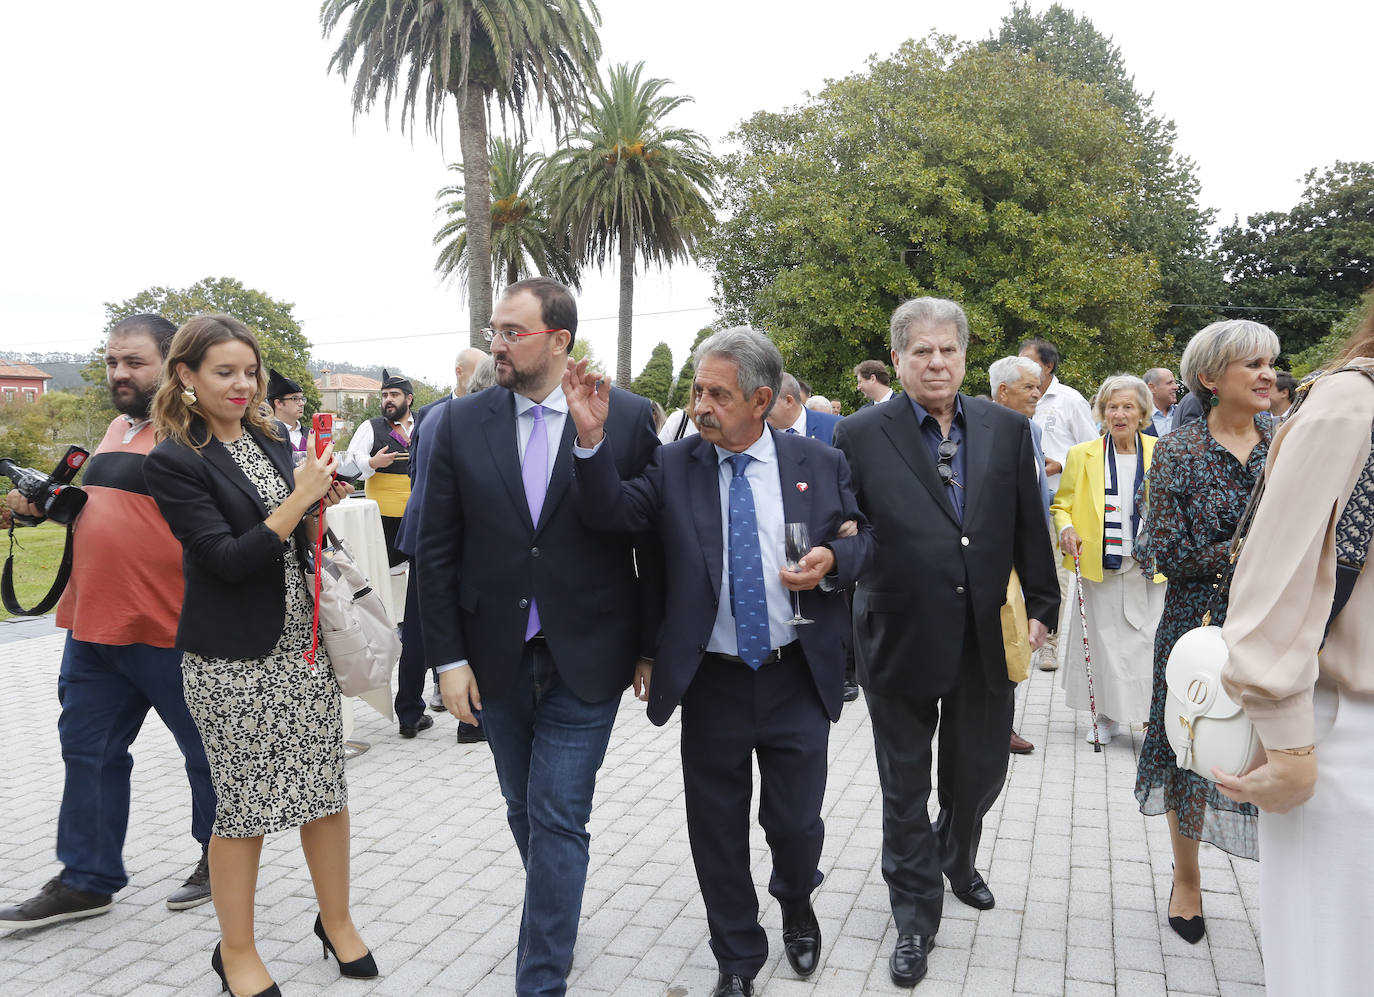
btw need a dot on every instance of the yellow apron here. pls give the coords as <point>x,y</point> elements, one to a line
<point>390,492</point>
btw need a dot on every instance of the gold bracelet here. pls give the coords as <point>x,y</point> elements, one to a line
<point>1296,752</point>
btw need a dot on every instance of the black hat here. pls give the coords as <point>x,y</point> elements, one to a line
<point>279,386</point>
<point>390,380</point>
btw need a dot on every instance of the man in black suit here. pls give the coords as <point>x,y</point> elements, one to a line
<point>948,483</point>
<point>751,680</point>
<point>534,621</point>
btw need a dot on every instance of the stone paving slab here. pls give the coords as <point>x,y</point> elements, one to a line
<point>1082,879</point>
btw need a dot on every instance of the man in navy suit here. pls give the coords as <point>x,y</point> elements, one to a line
<point>534,621</point>
<point>750,680</point>
<point>790,415</point>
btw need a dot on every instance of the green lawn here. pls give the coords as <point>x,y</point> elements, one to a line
<point>37,553</point>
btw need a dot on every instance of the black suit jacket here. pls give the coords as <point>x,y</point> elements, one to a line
<point>929,571</point>
<point>235,603</point>
<point>480,558</point>
<point>679,496</point>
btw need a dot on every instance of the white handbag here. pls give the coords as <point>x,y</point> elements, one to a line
<point>1206,728</point>
<point>353,623</point>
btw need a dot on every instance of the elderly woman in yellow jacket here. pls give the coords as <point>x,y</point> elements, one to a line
<point>1097,518</point>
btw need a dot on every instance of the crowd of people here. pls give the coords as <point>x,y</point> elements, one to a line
<point>752,560</point>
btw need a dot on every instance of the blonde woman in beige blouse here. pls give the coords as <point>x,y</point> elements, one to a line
<point>1312,705</point>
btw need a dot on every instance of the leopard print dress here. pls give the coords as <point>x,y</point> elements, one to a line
<point>272,726</point>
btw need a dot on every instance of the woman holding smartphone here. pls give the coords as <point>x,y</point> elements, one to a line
<point>270,718</point>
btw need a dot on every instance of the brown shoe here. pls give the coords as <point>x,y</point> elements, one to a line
<point>1019,745</point>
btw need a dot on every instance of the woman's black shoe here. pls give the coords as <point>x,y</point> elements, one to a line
<point>217,964</point>
<point>1190,929</point>
<point>362,968</point>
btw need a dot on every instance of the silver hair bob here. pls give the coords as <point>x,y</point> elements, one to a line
<point>1124,382</point>
<point>1010,369</point>
<point>926,312</point>
<point>1217,346</point>
<point>757,361</point>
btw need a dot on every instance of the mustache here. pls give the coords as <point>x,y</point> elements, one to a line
<point>708,420</point>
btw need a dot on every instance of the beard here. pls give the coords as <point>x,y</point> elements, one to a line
<point>396,412</point>
<point>131,400</point>
<point>520,381</point>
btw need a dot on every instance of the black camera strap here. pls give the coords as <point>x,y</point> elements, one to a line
<point>48,601</point>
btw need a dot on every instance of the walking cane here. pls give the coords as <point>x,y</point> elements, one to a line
<point>1087,654</point>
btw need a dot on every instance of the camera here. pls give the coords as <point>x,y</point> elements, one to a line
<point>54,493</point>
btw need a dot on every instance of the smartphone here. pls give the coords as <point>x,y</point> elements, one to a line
<point>322,428</point>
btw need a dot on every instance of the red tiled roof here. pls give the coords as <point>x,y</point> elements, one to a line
<point>348,382</point>
<point>24,370</point>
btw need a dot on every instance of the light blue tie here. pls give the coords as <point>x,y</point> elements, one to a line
<point>747,596</point>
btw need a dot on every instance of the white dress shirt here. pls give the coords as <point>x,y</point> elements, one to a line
<point>1065,420</point>
<point>799,427</point>
<point>766,484</point>
<point>555,414</point>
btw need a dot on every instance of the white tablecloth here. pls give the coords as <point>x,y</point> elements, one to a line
<point>358,521</point>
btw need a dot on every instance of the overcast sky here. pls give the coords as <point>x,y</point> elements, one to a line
<point>156,142</point>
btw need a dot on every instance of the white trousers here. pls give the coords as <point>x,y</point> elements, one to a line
<point>1316,866</point>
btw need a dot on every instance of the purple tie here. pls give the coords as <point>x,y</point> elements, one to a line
<point>535,473</point>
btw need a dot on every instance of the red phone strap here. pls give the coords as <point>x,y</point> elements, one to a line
<point>319,569</point>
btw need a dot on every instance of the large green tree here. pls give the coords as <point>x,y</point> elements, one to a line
<point>630,183</point>
<point>959,172</point>
<point>682,387</point>
<point>656,379</point>
<point>1163,218</point>
<point>523,244</point>
<point>518,54</point>
<point>284,347</point>
<point>1298,271</point>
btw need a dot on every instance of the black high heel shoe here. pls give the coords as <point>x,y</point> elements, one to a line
<point>217,964</point>
<point>362,968</point>
<point>1190,929</point>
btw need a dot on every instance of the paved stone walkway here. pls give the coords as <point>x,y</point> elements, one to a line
<point>1081,878</point>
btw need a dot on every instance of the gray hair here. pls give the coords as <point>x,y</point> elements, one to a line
<point>1123,382</point>
<point>1214,348</point>
<point>1010,369</point>
<point>789,386</point>
<point>818,403</point>
<point>925,312</point>
<point>483,376</point>
<point>1155,374</point>
<point>757,360</point>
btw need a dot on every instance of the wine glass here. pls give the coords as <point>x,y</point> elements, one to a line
<point>796,545</point>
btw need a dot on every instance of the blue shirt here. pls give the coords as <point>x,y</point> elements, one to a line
<point>933,436</point>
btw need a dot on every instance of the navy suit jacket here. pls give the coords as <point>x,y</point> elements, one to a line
<point>481,559</point>
<point>931,570</point>
<point>678,494</point>
<point>821,425</point>
<point>419,476</point>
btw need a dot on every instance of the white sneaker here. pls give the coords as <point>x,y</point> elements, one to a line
<point>1106,730</point>
<point>1047,658</point>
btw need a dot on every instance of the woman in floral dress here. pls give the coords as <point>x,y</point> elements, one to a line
<point>1199,481</point>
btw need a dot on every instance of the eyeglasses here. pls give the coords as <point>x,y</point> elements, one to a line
<point>291,398</point>
<point>945,469</point>
<point>508,337</point>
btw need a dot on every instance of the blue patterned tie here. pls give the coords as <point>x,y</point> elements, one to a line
<point>747,596</point>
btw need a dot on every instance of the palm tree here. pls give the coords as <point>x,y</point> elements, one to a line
<point>519,53</point>
<point>522,243</point>
<point>627,180</point>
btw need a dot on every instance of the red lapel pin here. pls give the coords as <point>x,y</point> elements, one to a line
<point>802,486</point>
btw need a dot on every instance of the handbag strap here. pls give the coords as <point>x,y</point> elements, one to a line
<point>681,430</point>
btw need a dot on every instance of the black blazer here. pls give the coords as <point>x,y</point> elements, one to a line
<point>235,605</point>
<point>929,571</point>
<point>679,496</point>
<point>480,559</point>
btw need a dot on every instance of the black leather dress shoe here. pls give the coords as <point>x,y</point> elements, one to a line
<point>728,985</point>
<point>908,962</point>
<point>470,733</point>
<point>424,723</point>
<point>976,893</point>
<point>801,937</point>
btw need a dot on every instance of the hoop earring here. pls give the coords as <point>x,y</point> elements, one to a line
<point>188,395</point>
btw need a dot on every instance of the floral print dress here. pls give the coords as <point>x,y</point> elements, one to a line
<point>1197,491</point>
<point>272,726</point>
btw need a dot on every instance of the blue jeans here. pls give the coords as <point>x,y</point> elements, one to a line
<point>547,744</point>
<point>105,692</point>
